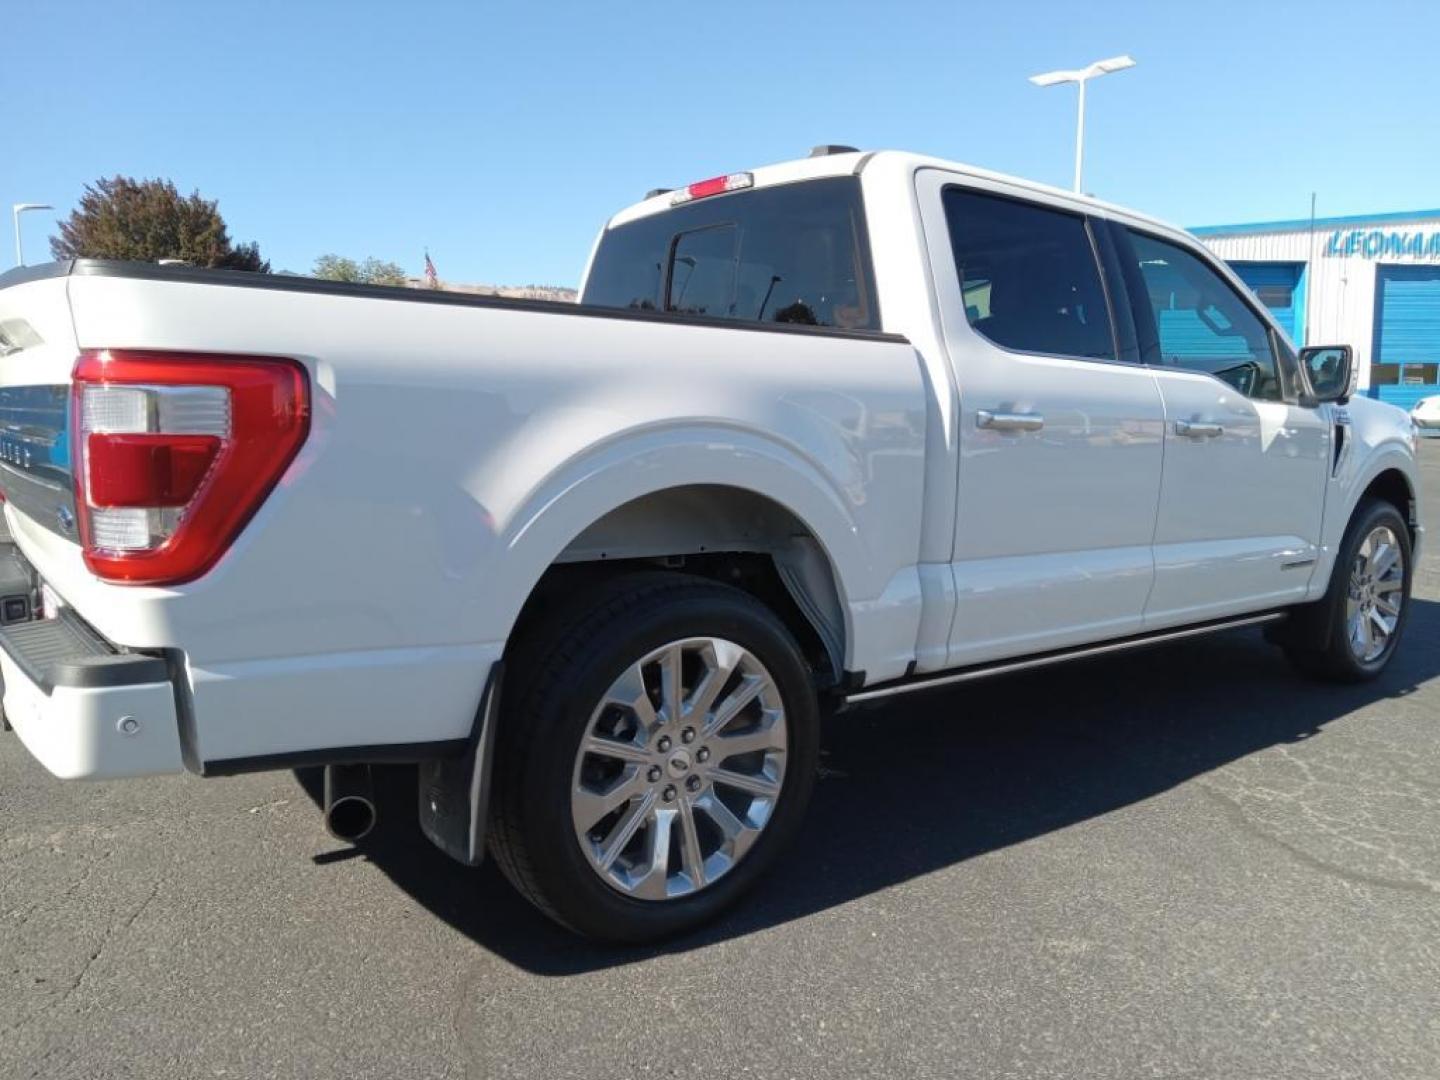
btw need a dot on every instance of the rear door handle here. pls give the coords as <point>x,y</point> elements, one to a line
<point>1199,429</point>
<point>1009,421</point>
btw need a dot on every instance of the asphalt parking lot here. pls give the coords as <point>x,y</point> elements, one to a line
<point>1179,863</point>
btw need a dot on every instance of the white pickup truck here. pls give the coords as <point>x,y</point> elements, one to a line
<point>822,433</point>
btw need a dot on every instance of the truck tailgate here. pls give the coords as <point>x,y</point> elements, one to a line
<point>37,354</point>
<point>83,707</point>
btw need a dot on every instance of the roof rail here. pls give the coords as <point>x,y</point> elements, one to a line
<point>826,149</point>
<point>658,191</point>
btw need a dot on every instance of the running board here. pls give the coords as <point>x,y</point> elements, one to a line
<point>1059,656</point>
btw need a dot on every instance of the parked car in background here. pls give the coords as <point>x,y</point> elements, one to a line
<point>1426,414</point>
<point>818,434</point>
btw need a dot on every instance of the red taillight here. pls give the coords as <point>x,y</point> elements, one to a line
<point>716,185</point>
<point>138,471</point>
<point>174,453</point>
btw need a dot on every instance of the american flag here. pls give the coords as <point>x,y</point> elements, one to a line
<point>431,278</point>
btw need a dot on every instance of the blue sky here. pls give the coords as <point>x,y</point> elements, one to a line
<point>502,135</point>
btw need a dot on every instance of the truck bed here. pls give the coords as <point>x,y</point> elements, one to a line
<point>457,445</point>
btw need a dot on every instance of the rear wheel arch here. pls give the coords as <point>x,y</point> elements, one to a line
<point>725,533</point>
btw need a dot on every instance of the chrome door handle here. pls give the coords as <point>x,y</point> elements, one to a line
<point>1198,429</point>
<point>1009,421</point>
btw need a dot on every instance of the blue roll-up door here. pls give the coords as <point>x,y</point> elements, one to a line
<point>1278,286</point>
<point>1407,331</point>
<point>1407,325</point>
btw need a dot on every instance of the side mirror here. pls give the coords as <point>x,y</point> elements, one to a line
<point>1331,371</point>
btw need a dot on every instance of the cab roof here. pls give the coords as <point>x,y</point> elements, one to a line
<point>852,163</point>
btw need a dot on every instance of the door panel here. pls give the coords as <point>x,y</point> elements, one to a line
<point>1244,468</point>
<point>1240,511</point>
<point>1060,455</point>
<point>1052,543</point>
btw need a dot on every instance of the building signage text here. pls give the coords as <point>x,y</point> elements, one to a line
<point>1378,243</point>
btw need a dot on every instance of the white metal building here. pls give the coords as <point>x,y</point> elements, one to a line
<point>1371,282</point>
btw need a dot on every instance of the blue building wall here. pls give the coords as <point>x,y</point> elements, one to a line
<point>1288,275</point>
<point>1404,396</point>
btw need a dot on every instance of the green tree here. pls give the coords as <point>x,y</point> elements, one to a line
<point>147,220</point>
<point>372,271</point>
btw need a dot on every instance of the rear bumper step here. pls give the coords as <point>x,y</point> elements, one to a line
<point>65,652</point>
<point>84,708</point>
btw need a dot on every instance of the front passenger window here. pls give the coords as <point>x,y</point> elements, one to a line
<point>1202,323</point>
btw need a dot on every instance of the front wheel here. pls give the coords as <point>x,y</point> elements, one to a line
<point>659,755</point>
<point>1351,634</point>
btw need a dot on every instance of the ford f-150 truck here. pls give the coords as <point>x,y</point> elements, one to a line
<point>827,432</point>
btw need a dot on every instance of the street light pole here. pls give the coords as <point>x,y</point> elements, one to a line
<point>15,212</point>
<point>1080,77</point>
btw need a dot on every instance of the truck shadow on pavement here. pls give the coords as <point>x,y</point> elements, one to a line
<point>928,781</point>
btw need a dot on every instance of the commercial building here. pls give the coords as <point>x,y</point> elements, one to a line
<point>1371,281</point>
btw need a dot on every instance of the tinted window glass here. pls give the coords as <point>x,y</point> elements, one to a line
<point>702,272</point>
<point>1028,276</point>
<point>628,269</point>
<point>1202,322</point>
<point>792,254</point>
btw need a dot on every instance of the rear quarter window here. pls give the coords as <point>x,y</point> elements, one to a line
<point>789,254</point>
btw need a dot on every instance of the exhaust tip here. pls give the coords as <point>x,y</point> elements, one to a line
<point>349,802</point>
<point>350,818</point>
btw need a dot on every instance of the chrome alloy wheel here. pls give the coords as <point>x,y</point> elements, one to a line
<point>679,769</point>
<point>1375,595</point>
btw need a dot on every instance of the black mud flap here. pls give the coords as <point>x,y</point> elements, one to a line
<point>455,791</point>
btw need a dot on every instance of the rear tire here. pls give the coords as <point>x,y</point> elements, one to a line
<point>593,742</point>
<point>1351,634</point>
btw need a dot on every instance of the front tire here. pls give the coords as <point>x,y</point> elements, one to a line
<point>656,757</point>
<point>1351,634</point>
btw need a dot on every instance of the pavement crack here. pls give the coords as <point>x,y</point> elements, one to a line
<point>115,930</point>
<point>1232,808</point>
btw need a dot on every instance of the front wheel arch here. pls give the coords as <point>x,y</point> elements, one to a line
<point>1316,637</point>
<point>1392,486</point>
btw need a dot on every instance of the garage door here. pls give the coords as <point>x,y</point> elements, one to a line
<point>1407,332</point>
<point>1278,287</point>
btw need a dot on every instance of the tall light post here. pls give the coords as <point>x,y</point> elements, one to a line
<point>1082,76</point>
<point>16,210</point>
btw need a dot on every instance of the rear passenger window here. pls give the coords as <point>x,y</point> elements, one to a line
<point>1028,276</point>
<point>1201,321</point>
<point>788,254</point>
